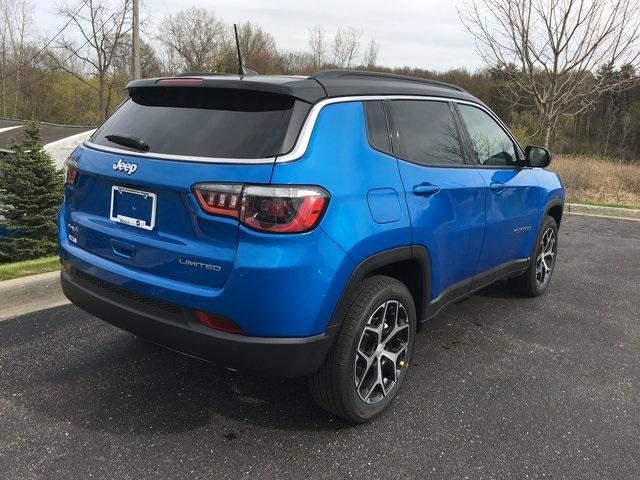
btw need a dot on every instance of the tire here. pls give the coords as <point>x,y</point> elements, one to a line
<point>334,385</point>
<point>529,283</point>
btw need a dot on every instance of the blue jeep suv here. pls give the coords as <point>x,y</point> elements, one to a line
<point>302,226</point>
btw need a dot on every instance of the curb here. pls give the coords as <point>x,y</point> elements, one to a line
<point>30,294</point>
<point>597,211</point>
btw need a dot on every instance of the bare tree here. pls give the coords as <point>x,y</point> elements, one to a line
<point>345,47</point>
<point>295,63</point>
<point>196,38</point>
<point>370,57</point>
<point>555,47</point>
<point>4,47</point>
<point>318,45</point>
<point>103,29</point>
<point>16,19</point>
<point>171,62</point>
<point>150,65</point>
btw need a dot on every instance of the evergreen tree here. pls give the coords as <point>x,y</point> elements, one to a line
<point>30,195</point>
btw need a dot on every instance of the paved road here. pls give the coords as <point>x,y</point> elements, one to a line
<point>501,387</point>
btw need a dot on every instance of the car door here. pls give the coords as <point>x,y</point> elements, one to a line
<point>512,191</point>
<point>445,197</point>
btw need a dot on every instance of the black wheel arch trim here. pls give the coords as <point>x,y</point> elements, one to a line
<point>377,261</point>
<point>554,202</point>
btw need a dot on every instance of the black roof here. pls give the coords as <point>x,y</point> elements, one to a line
<point>327,83</point>
<point>325,75</point>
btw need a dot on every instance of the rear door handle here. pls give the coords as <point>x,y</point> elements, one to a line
<point>425,189</point>
<point>497,187</point>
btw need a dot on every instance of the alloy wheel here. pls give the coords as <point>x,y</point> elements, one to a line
<point>546,257</point>
<point>382,351</point>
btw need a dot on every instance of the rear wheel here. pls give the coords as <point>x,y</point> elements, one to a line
<point>368,362</point>
<point>536,279</point>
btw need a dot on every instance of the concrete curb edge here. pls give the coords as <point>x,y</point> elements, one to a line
<point>30,294</point>
<point>598,211</point>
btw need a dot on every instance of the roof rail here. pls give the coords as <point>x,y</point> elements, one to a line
<point>366,75</point>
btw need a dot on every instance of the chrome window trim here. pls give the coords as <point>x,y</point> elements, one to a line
<point>182,158</point>
<point>304,137</point>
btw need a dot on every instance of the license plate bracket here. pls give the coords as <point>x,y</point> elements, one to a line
<point>136,208</point>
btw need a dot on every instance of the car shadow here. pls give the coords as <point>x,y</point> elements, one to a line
<point>87,373</point>
<point>499,289</point>
<point>140,387</point>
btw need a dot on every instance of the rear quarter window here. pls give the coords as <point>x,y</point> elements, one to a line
<point>207,122</point>
<point>377,130</point>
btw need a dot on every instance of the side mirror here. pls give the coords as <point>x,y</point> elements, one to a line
<point>537,156</point>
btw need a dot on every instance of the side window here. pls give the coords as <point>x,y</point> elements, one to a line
<point>426,132</point>
<point>490,144</point>
<point>377,130</point>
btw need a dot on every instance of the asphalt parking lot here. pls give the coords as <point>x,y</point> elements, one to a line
<point>500,387</point>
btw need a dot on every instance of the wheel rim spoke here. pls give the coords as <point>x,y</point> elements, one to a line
<point>545,257</point>
<point>378,380</point>
<point>381,351</point>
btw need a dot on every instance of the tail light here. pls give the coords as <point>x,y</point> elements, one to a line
<point>219,199</point>
<point>282,209</point>
<point>276,209</point>
<point>70,171</point>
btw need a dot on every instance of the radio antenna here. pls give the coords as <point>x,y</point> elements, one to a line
<point>240,66</point>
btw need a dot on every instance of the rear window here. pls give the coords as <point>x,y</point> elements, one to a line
<point>206,122</point>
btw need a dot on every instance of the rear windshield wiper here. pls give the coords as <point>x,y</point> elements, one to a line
<point>129,141</point>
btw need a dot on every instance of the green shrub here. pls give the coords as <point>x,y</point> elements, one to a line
<point>30,194</point>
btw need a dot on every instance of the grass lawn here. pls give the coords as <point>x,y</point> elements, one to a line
<point>28,267</point>
<point>599,181</point>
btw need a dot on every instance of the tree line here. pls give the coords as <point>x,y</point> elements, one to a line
<point>559,73</point>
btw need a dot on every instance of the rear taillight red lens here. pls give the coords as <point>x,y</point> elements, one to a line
<point>277,209</point>
<point>218,322</point>
<point>70,171</point>
<point>283,209</point>
<point>219,199</point>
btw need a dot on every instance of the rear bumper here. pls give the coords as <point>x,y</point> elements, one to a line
<point>176,328</point>
<point>274,288</point>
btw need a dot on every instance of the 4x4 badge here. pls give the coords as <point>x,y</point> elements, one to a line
<point>125,167</point>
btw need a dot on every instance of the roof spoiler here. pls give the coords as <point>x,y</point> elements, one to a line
<point>301,89</point>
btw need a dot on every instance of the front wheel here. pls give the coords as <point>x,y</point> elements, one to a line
<point>367,364</point>
<point>535,280</point>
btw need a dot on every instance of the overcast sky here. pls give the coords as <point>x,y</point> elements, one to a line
<point>420,33</point>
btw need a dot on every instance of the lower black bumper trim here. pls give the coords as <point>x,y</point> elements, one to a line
<point>265,356</point>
